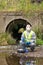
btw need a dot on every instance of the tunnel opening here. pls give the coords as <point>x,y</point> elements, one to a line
<point>16,27</point>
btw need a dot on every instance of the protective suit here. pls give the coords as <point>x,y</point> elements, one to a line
<point>28,37</point>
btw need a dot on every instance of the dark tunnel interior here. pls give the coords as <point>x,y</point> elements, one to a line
<point>14,26</point>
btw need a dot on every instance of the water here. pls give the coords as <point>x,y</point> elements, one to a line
<point>14,60</point>
<point>6,59</point>
<point>25,61</point>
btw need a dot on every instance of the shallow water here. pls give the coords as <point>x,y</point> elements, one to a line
<point>6,59</point>
<point>14,60</point>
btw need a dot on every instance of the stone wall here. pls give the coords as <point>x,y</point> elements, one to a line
<point>7,17</point>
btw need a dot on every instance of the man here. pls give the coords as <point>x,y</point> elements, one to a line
<point>28,38</point>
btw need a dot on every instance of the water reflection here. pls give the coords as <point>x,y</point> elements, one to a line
<point>12,60</point>
<point>15,60</point>
<point>26,61</point>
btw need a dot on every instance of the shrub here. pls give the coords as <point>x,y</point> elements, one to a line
<point>6,39</point>
<point>3,37</point>
<point>39,41</point>
<point>11,41</point>
<point>39,32</point>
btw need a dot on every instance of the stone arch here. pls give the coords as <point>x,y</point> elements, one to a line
<point>15,25</point>
<point>11,18</point>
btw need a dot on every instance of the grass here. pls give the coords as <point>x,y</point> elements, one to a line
<point>20,5</point>
<point>10,41</point>
<point>6,39</point>
<point>39,41</point>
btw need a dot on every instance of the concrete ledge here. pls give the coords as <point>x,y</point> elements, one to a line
<point>13,51</point>
<point>37,53</point>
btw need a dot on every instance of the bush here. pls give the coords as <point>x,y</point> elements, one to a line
<point>39,32</point>
<point>39,41</point>
<point>3,37</point>
<point>11,41</point>
<point>6,39</point>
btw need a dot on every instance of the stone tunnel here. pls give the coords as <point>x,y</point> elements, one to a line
<point>11,22</point>
<point>14,27</point>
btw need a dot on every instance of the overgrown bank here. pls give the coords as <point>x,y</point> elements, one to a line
<point>6,39</point>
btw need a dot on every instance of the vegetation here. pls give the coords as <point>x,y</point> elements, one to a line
<point>39,41</point>
<point>6,39</point>
<point>39,34</point>
<point>26,6</point>
<point>11,41</point>
<point>20,5</point>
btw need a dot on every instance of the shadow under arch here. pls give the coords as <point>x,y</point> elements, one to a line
<point>14,26</point>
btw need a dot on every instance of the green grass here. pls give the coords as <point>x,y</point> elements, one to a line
<point>11,41</point>
<point>7,37</point>
<point>20,5</point>
<point>39,41</point>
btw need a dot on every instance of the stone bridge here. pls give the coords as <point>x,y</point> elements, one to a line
<point>9,19</point>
